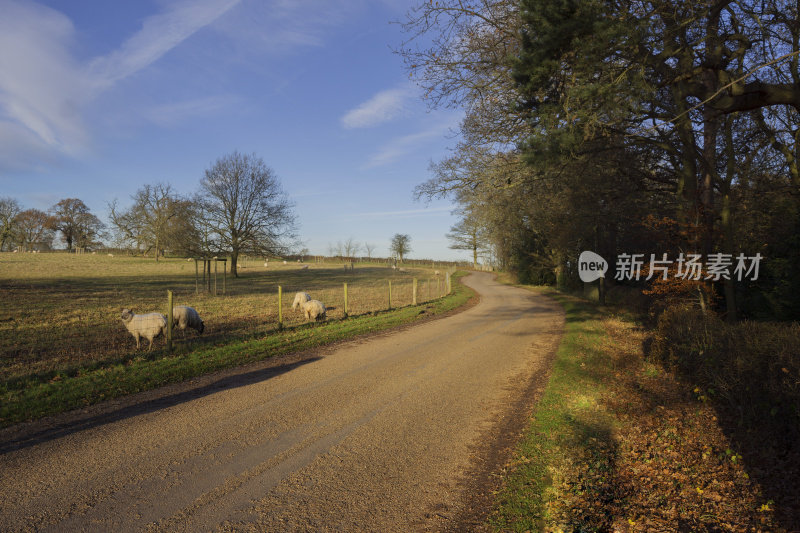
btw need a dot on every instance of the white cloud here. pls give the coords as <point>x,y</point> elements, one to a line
<point>44,90</point>
<point>383,107</point>
<point>41,88</point>
<point>160,33</point>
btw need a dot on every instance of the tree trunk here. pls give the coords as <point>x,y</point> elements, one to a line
<point>727,219</point>
<point>234,261</point>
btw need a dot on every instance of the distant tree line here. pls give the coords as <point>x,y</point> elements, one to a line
<point>34,230</point>
<point>239,208</point>
<point>621,127</point>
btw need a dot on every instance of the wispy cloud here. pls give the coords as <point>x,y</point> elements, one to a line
<point>44,90</point>
<point>281,26</point>
<point>41,87</point>
<point>402,146</point>
<point>176,112</point>
<point>383,107</point>
<point>159,34</point>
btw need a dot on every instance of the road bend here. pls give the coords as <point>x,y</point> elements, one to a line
<point>376,434</point>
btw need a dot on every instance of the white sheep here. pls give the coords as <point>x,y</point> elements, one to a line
<point>314,310</point>
<point>304,267</point>
<point>187,317</point>
<point>299,299</point>
<point>149,326</point>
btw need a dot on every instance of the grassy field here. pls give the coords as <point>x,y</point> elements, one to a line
<point>60,321</point>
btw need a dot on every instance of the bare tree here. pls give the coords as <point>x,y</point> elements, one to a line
<point>9,209</point>
<point>350,248</point>
<point>369,248</point>
<point>246,207</point>
<point>400,245</point>
<point>469,234</point>
<point>158,219</point>
<point>335,250</point>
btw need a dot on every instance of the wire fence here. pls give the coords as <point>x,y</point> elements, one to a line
<point>54,319</point>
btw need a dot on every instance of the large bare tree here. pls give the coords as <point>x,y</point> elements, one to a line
<point>246,208</point>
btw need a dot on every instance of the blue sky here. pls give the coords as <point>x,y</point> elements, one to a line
<point>98,98</point>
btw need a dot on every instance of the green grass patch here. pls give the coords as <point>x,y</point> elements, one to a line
<point>570,424</point>
<point>47,393</point>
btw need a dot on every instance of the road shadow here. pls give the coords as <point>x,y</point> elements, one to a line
<point>60,430</point>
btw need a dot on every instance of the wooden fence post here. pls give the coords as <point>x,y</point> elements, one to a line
<point>169,321</point>
<point>390,294</point>
<point>345,300</point>
<point>414,292</point>
<point>280,307</point>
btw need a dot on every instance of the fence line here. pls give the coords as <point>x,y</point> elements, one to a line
<point>72,325</point>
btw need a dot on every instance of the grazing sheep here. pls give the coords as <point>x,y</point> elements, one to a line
<point>314,310</point>
<point>149,326</point>
<point>304,267</point>
<point>299,299</point>
<point>186,317</point>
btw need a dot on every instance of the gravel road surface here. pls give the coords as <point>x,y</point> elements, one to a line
<point>396,432</point>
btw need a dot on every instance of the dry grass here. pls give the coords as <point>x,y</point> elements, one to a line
<point>58,311</point>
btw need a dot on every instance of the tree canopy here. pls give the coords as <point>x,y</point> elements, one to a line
<point>643,127</point>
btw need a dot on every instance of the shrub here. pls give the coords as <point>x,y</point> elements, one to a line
<point>752,366</point>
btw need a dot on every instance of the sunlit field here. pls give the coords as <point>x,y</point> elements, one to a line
<point>60,310</point>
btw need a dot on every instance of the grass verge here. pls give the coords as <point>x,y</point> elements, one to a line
<point>619,444</point>
<point>46,394</point>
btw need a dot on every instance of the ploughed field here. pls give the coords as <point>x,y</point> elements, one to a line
<point>60,311</point>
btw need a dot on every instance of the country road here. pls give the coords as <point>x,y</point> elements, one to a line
<point>394,432</point>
